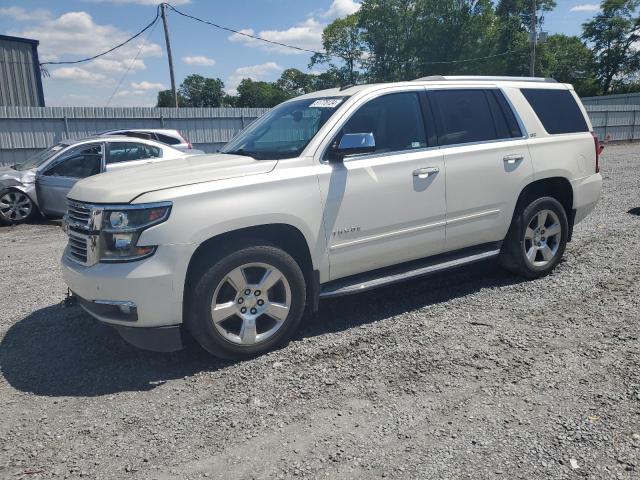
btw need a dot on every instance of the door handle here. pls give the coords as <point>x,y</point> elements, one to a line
<point>511,159</point>
<point>425,172</point>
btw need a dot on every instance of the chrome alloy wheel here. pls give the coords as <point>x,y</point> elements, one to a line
<point>15,206</point>
<point>542,238</point>
<point>251,303</point>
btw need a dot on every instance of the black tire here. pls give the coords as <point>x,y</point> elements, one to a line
<point>6,217</point>
<point>199,319</point>
<point>513,256</point>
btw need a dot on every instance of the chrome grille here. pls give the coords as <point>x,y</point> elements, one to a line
<point>82,223</point>
<point>78,247</point>
<point>79,215</point>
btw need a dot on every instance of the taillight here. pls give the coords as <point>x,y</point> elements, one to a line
<point>186,141</point>
<point>599,148</point>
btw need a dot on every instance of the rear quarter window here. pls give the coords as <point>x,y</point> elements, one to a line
<point>557,110</point>
<point>167,140</point>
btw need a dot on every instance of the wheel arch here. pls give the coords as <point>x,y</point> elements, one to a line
<point>559,188</point>
<point>282,235</point>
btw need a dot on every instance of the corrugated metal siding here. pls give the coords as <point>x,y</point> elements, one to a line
<point>33,128</point>
<point>18,75</point>
<point>615,122</point>
<point>619,99</point>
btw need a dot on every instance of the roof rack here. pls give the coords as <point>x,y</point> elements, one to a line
<point>463,78</point>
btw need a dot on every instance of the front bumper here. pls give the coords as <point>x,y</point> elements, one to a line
<point>150,285</point>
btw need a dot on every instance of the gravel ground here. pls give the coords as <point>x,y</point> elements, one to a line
<point>470,375</point>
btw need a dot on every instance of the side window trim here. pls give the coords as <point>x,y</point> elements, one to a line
<point>428,119</point>
<point>523,130</point>
<point>343,122</point>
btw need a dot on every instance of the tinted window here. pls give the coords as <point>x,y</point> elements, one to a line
<point>166,139</point>
<point>130,151</point>
<point>80,163</point>
<point>503,117</point>
<point>556,109</point>
<point>465,116</point>
<point>395,121</point>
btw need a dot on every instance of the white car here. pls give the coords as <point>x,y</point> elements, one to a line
<point>333,193</point>
<point>43,181</point>
<point>168,136</point>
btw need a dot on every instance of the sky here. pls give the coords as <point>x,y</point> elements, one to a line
<point>133,75</point>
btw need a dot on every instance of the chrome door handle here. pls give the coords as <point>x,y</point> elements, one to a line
<point>511,159</point>
<point>425,172</point>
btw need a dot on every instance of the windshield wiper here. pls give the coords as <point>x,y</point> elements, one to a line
<point>244,153</point>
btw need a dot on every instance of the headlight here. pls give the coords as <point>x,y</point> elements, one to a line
<point>122,227</point>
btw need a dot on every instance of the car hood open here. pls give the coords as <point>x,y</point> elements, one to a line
<point>124,185</point>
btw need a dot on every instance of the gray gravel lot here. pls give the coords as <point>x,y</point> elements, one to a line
<point>470,375</point>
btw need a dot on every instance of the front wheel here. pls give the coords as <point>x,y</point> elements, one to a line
<point>247,303</point>
<point>536,239</point>
<point>15,207</point>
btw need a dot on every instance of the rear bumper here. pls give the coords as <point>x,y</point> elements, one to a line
<point>586,193</point>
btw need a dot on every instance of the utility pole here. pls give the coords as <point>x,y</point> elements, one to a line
<point>534,20</point>
<point>163,8</point>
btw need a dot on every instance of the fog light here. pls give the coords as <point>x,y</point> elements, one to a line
<point>126,309</point>
<point>122,241</point>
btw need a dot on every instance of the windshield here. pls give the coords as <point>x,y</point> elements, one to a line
<point>40,157</point>
<point>285,131</point>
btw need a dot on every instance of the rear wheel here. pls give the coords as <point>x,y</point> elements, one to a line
<point>247,303</point>
<point>15,207</point>
<point>536,239</point>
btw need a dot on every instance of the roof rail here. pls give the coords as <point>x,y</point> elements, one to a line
<point>462,78</point>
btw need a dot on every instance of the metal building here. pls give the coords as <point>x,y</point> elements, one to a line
<point>20,78</point>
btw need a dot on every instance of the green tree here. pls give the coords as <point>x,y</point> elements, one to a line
<point>613,35</point>
<point>342,39</point>
<point>513,32</point>
<point>199,91</point>
<point>294,82</point>
<point>259,94</point>
<point>165,99</point>
<point>568,60</point>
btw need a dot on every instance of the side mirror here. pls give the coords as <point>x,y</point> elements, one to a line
<point>353,143</point>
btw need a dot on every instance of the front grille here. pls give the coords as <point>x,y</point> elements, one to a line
<point>77,248</point>
<point>82,224</point>
<point>79,215</point>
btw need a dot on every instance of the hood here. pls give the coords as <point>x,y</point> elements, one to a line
<point>9,176</point>
<point>122,186</point>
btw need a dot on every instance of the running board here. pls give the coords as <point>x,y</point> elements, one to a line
<point>380,278</point>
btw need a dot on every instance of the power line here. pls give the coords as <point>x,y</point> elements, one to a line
<point>71,62</point>
<point>471,59</point>
<point>244,34</point>
<point>144,44</point>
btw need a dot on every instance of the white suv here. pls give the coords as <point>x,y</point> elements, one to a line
<point>332,193</point>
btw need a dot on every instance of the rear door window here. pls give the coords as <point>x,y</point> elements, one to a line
<point>130,151</point>
<point>472,115</point>
<point>556,109</point>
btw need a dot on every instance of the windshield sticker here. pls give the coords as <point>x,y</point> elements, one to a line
<point>326,103</point>
<point>56,148</point>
